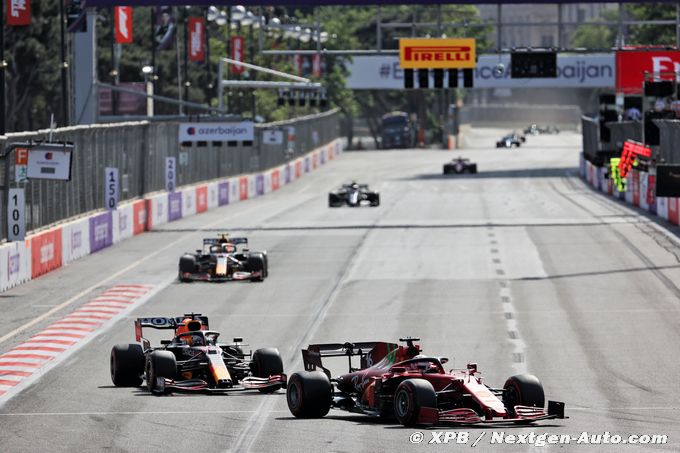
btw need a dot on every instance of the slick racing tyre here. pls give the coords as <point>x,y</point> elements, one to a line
<point>256,263</point>
<point>523,390</point>
<point>160,364</point>
<point>410,397</point>
<point>187,263</point>
<point>127,365</point>
<point>309,394</point>
<point>374,199</point>
<point>267,362</point>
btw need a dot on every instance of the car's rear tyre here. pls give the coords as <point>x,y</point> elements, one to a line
<point>267,362</point>
<point>410,397</point>
<point>375,200</point>
<point>473,169</point>
<point>187,264</point>
<point>309,394</point>
<point>161,364</point>
<point>256,263</point>
<point>127,365</point>
<point>523,390</point>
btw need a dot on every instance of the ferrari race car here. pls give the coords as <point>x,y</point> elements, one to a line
<point>354,195</point>
<point>221,261</point>
<point>398,381</point>
<point>459,165</point>
<point>194,360</point>
<point>511,140</point>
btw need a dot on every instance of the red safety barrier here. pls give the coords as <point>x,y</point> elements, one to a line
<point>45,252</point>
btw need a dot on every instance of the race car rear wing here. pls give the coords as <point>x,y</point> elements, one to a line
<point>216,241</point>
<point>165,323</point>
<point>311,357</point>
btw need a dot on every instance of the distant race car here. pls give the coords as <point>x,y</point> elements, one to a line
<point>221,261</point>
<point>536,130</point>
<point>354,195</point>
<point>459,165</point>
<point>194,360</point>
<point>399,381</point>
<point>511,140</point>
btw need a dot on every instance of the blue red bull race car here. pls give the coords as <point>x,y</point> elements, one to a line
<point>220,261</point>
<point>194,360</point>
<point>399,381</point>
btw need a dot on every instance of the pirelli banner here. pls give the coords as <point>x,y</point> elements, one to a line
<point>437,55</point>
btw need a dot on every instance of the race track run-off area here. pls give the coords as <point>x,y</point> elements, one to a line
<point>519,268</point>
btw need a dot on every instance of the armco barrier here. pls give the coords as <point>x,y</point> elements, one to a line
<point>201,199</point>
<point>46,253</point>
<point>123,223</point>
<point>140,216</point>
<point>188,204</point>
<point>48,250</point>
<point>157,210</point>
<point>75,240</point>
<point>641,192</point>
<point>213,195</point>
<point>16,264</point>
<point>101,231</point>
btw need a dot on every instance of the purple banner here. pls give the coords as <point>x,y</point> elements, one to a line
<point>101,231</point>
<point>287,173</point>
<point>259,184</point>
<point>323,156</point>
<point>223,193</point>
<point>307,164</point>
<point>174,206</point>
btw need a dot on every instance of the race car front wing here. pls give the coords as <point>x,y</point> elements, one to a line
<point>165,385</point>
<point>467,416</point>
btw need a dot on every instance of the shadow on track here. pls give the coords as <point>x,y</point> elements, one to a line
<point>595,273</point>
<point>593,223</point>
<point>557,172</point>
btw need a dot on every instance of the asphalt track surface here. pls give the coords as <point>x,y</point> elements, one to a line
<point>519,268</point>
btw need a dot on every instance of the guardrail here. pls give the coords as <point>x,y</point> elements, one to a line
<point>139,149</point>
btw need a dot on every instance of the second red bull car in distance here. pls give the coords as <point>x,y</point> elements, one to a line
<point>399,381</point>
<point>220,261</point>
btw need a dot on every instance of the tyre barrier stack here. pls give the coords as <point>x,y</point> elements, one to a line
<point>49,249</point>
<point>641,190</point>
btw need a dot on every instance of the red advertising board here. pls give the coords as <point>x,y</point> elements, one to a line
<point>631,66</point>
<point>196,39</point>
<point>315,160</point>
<point>123,19</point>
<point>673,214</point>
<point>243,188</point>
<point>275,179</point>
<point>18,13</point>
<point>237,45</point>
<point>298,169</point>
<point>139,216</point>
<point>202,199</point>
<point>45,252</point>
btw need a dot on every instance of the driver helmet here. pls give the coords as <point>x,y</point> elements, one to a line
<point>188,325</point>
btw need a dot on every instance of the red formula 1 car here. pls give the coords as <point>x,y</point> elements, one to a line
<point>194,360</point>
<point>399,381</point>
